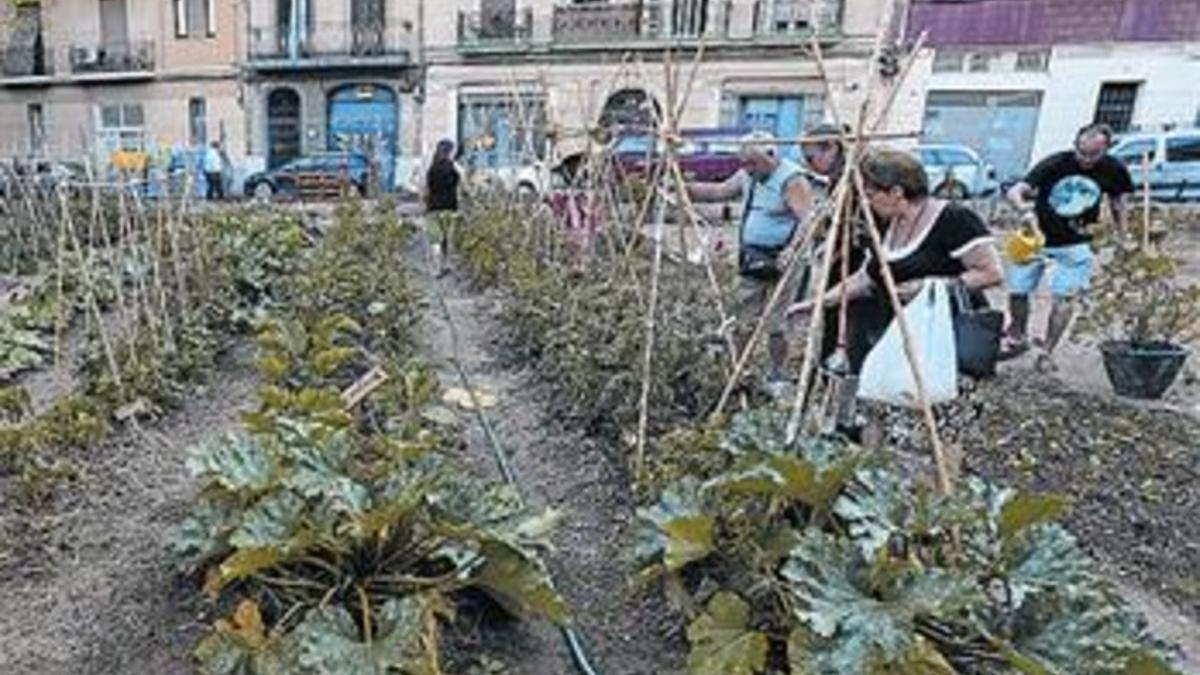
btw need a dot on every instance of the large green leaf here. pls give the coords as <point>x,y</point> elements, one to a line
<point>723,642</point>
<point>272,521</point>
<point>203,533</point>
<point>863,618</point>
<point>1025,510</point>
<point>876,506</point>
<point>676,528</point>
<point>519,583</point>
<point>404,640</point>
<point>236,463</point>
<point>793,478</point>
<point>1048,559</point>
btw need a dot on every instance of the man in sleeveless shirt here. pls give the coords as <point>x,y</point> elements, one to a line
<point>776,201</point>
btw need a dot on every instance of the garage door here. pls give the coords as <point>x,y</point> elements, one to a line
<point>1000,126</point>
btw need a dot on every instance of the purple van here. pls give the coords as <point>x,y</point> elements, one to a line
<point>706,155</point>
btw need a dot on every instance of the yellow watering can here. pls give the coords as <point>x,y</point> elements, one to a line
<point>1024,244</point>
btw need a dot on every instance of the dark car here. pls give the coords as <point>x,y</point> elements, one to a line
<point>706,155</point>
<point>286,179</point>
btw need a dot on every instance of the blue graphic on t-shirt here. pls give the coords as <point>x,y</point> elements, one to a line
<point>1074,195</point>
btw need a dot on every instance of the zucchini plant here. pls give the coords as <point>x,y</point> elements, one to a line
<point>819,558</point>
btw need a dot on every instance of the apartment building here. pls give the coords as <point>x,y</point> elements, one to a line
<point>506,78</point>
<point>89,77</point>
<point>330,75</point>
<point>1015,79</point>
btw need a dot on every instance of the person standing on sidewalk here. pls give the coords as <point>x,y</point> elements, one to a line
<point>214,176</point>
<point>1066,189</point>
<point>777,201</point>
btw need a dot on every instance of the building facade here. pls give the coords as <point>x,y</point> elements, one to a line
<point>91,77</point>
<point>1015,79</point>
<point>333,75</point>
<point>514,80</point>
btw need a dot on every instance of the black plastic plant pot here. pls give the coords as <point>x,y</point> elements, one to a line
<point>1142,370</point>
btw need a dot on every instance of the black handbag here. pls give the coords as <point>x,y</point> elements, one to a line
<point>758,262</point>
<point>977,333</point>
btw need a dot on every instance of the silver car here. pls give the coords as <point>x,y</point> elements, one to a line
<point>956,171</point>
<point>1172,159</point>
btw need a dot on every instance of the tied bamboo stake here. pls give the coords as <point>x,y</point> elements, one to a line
<point>914,360</point>
<point>652,309</point>
<point>1145,201</point>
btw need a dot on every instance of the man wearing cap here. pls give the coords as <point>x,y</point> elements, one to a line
<point>776,199</point>
<point>1066,189</point>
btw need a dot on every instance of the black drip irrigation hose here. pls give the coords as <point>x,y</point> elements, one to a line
<point>575,641</point>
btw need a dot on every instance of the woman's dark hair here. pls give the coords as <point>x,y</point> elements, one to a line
<point>444,150</point>
<point>886,169</point>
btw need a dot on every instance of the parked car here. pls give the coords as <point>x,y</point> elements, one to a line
<point>284,180</point>
<point>1174,158</point>
<point>705,155</point>
<point>956,171</point>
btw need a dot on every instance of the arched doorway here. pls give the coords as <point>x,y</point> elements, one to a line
<point>365,118</point>
<point>630,108</point>
<point>283,126</point>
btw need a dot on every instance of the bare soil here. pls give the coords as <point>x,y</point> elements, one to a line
<point>629,632</point>
<point>87,585</point>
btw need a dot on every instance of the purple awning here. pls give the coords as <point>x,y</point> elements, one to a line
<point>1051,22</point>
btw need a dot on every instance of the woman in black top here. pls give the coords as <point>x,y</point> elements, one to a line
<point>925,237</point>
<point>441,201</point>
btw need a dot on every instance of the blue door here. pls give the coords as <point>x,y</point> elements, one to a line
<point>366,118</point>
<point>781,116</point>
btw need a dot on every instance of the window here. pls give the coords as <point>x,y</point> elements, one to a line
<point>1183,149</point>
<point>121,127</point>
<point>500,131</point>
<point>1115,104</point>
<point>37,129</point>
<point>980,62</point>
<point>948,62</point>
<point>1037,61</point>
<point>780,116</point>
<point>197,122</point>
<point>195,18</point>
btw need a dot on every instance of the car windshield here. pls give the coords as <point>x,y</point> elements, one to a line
<point>955,156</point>
<point>1130,152</point>
<point>634,145</point>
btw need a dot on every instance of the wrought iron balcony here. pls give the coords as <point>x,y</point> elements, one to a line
<point>26,62</point>
<point>123,58</point>
<point>479,30</point>
<point>797,18</point>
<point>618,22</point>
<point>330,45</point>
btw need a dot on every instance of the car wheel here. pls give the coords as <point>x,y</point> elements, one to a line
<point>263,191</point>
<point>526,193</point>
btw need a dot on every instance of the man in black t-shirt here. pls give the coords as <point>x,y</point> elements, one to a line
<point>1067,188</point>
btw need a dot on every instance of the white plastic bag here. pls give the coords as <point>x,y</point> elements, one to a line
<point>886,375</point>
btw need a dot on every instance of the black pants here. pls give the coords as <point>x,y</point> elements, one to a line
<point>216,185</point>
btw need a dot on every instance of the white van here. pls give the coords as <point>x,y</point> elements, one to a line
<point>1174,159</point>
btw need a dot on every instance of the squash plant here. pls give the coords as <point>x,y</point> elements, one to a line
<point>341,546</point>
<point>821,559</point>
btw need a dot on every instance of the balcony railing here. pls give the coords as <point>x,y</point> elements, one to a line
<point>26,62</point>
<point>331,43</point>
<point>479,29</point>
<point>598,23</point>
<point>781,18</point>
<point>135,57</point>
